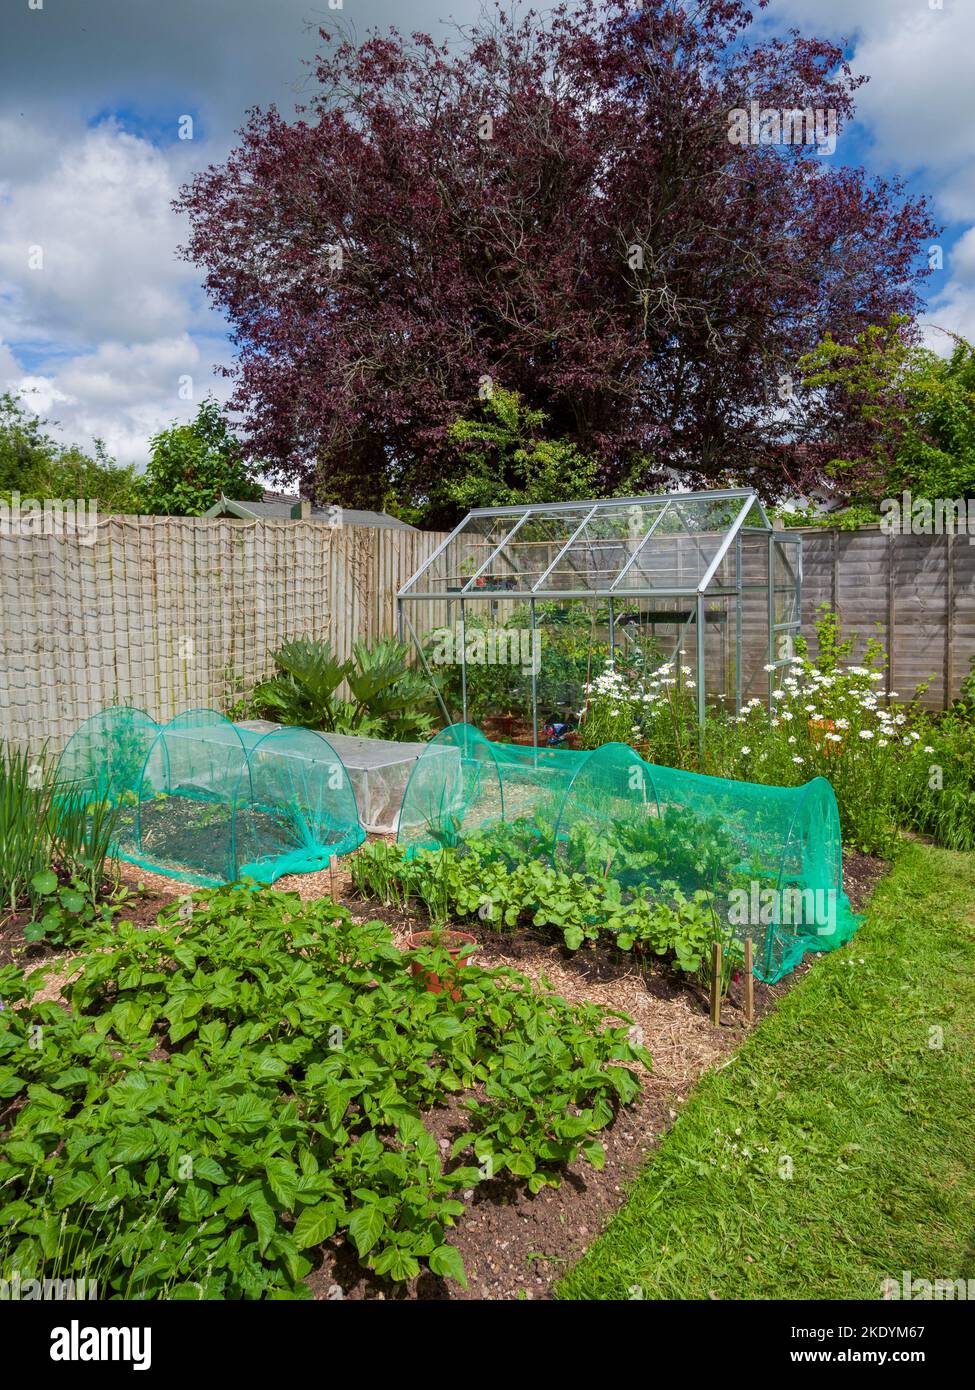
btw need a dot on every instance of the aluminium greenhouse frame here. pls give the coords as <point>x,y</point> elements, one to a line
<point>632,548</point>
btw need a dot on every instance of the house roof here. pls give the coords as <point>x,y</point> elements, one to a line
<point>280,507</point>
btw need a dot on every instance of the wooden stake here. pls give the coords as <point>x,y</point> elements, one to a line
<point>716,984</point>
<point>331,876</point>
<point>749,983</point>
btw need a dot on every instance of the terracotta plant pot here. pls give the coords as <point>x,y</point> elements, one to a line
<point>458,945</point>
<point>498,725</point>
<point>819,728</point>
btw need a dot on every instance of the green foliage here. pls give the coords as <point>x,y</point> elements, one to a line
<point>26,785</point>
<point>572,639</point>
<point>53,850</point>
<point>250,1080</point>
<point>848,519</point>
<point>498,877</point>
<point>832,648</point>
<point>679,846</point>
<point>508,460</point>
<point>191,465</point>
<point>65,914</point>
<point>935,792</point>
<point>916,412</point>
<point>389,698</point>
<point>35,465</point>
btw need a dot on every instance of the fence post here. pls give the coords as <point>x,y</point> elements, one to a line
<point>890,613</point>
<point>949,617</point>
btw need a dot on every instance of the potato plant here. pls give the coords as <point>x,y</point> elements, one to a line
<point>253,1079</point>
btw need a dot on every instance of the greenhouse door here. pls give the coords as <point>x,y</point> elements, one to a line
<point>784,601</point>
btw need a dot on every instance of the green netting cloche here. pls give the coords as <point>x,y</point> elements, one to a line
<point>202,800</point>
<point>769,858</point>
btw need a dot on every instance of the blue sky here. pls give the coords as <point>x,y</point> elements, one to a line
<point>108,333</point>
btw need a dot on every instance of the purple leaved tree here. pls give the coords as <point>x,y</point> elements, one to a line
<point>627,213</point>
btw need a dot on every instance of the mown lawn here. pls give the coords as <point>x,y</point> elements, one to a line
<point>837,1148</point>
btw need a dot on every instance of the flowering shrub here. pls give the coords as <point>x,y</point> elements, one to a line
<point>832,725</point>
<point>889,763</point>
<point>654,710</point>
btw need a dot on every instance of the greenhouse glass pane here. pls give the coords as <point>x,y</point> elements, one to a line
<point>785,580</point>
<point>464,555</point>
<point>529,550</point>
<point>602,549</point>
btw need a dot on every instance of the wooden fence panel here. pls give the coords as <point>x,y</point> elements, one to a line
<point>172,613</point>
<point>916,593</point>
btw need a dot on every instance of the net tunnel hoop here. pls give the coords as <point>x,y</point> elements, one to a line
<point>200,800</point>
<point>770,858</point>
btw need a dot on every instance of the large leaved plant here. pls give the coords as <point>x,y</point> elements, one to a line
<point>375,693</point>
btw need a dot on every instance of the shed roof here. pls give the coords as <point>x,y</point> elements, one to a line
<point>282,509</point>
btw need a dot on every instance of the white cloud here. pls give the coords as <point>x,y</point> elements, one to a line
<point>107,332</point>
<point>919,104</point>
<point>87,243</point>
<point>100,337</point>
<point>963,258</point>
<point>918,110</point>
<point>9,370</point>
<point>122,393</point>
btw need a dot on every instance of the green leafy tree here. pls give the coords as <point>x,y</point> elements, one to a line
<point>35,465</point>
<point>901,416</point>
<point>191,465</point>
<point>509,460</point>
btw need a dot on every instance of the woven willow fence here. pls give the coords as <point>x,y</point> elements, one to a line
<point>171,614</point>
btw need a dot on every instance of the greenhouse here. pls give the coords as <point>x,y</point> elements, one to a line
<point>522,606</point>
<point>203,800</point>
<point>768,859</point>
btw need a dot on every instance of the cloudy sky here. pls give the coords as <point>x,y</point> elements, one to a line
<point>104,330</point>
